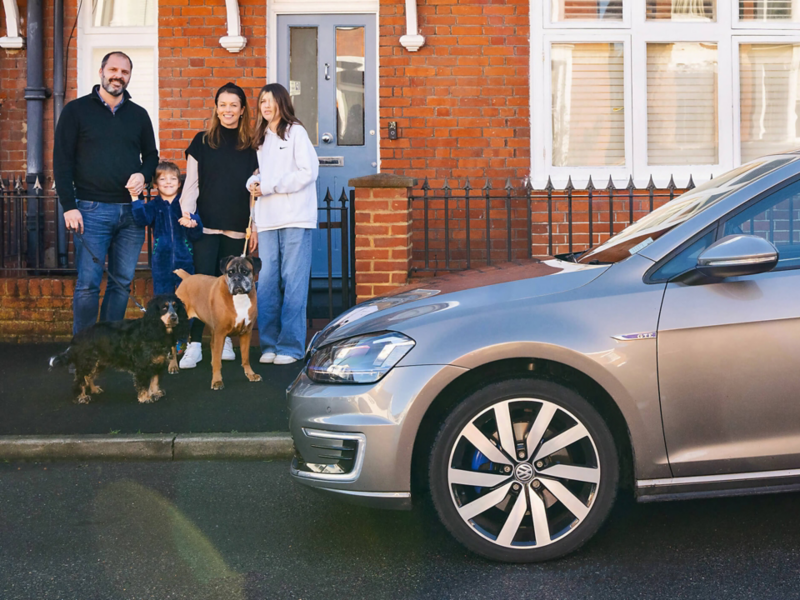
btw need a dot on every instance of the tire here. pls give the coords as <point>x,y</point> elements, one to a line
<point>541,506</point>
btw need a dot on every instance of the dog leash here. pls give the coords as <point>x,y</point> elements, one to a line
<point>248,231</point>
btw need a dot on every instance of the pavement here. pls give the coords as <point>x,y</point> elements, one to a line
<point>40,419</point>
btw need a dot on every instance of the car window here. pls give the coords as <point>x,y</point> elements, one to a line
<point>685,260</point>
<point>775,218</point>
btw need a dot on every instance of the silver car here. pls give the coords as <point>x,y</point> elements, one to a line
<point>523,397</point>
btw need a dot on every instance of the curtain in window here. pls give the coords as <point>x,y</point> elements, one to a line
<point>682,104</point>
<point>123,13</point>
<point>769,10</point>
<point>681,10</point>
<point>586,10</point>
<point>769,91</point>
<point>588,104</point>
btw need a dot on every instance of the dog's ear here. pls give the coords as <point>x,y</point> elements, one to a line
<point>256,262</point>
<point>183,328</point>
<point>223,264</point>
<point>154,306</point>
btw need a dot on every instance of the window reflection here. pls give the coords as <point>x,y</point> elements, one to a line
<point>123,13</point>
<point>586,10</point>
<point>350,85</point>
<point>303,78</point>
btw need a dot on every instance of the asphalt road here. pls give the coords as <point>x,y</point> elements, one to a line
<point>242,530</point>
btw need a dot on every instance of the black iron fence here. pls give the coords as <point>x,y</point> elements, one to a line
<point>463,228</point>
<point>35,242</point>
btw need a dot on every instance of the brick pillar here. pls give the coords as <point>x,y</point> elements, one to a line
<point>382,233</point>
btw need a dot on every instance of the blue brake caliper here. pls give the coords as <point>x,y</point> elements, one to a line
<point>478,459</point>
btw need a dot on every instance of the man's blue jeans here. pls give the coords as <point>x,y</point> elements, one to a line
<point>108,229</point>
<point>283,290</point>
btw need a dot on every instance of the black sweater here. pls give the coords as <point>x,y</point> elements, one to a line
<point>96,151</point>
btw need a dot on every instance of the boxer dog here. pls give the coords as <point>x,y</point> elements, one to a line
<point>227,305</point>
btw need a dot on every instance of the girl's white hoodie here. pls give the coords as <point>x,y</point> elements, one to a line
<point>288,172</point>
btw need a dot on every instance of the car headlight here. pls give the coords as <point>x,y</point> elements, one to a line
<point>360,359</point>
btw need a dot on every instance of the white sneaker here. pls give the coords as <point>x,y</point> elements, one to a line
<point>282,359</point>
<point>267,358</point>
<point>227,350</point>
<point>192,356</point>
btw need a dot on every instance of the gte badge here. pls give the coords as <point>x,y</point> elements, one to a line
<point>632,337</point>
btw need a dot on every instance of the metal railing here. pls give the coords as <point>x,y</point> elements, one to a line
<point>463,228</point>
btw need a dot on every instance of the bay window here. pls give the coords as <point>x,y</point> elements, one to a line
<point>625,88</point>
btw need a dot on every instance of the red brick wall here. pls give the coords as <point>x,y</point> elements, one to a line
<point>13,79</point>
<point>462,101</point>
<point>192,65</point>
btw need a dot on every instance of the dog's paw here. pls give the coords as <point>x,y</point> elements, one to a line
<point>173,370</point>
<point>217,385</point>
<point>97,390</point>
<point>144,397</point>
<point>253,376</point>
<point>84,399</point>
<point>157,395</point>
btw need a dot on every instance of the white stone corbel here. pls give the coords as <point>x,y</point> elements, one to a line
<point>412,40</point>
<point>12,40</point>
<point>233,42</point>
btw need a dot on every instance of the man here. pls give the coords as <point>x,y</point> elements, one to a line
<point>105,152</point>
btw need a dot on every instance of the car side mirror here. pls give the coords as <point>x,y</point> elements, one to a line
<point>737,255</point>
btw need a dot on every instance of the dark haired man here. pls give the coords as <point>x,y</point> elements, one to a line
<point>105,152</point>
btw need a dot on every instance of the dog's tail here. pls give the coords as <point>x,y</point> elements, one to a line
<point>181,273</point>
<point>64,358</point>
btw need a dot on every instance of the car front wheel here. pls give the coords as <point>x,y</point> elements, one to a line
<point>523,471</point>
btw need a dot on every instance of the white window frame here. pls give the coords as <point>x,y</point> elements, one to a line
<point>737,41</point>
<point>640,31</point>
<point>111,38</point>
<point>580,175</point>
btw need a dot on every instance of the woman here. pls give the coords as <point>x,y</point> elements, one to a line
<point>284,215</point>
<point>218,163</point>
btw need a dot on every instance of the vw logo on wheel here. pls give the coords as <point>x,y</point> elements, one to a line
<point>523,472</point>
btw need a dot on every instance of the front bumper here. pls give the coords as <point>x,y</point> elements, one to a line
<point>357,440</point>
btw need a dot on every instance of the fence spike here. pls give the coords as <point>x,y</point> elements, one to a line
<point>343,198</point>
<point>528,184</point>
<point>37,186</point>
<point>2,186</point>
<point>610,185</point>
<point>425,185</point>
<point>19,187</point>
<point>508,187</point>
<point>590,186</point>
<point>630,185</point>
<point>53,186</point>
<point>446,186</point>
<point>467,187</point>
<point>487,186</point>
<point>569,187</point>
<point>671,185</point>
<point>328,198</point>
<point>651,185</point>
<point>690,185</point>
<point>549,187</point>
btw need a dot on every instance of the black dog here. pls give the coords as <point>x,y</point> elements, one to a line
<point>141,347</point>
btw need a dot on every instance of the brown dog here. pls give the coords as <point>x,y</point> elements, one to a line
<point>227,304</point>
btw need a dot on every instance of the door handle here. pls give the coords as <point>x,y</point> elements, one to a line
<point>327,138</point>
<point>327,76</point>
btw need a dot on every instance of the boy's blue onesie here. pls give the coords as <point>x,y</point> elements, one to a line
<point>172,248</point>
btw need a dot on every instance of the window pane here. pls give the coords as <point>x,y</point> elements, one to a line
<point>682,104</point>
<point>586,10</point>
<point>776,218</point>
<point>682,10</point>
<point>303,78</point>
<point>770,98</point>
<point>588,105</point>
<point>123,13</point>
<point>769,10</point>
<point>142,86</point>
<point>350,85</point>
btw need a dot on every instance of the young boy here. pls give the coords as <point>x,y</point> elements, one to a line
<point>173,231</point>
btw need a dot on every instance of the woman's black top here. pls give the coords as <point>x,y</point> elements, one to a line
<point>223,201</point>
